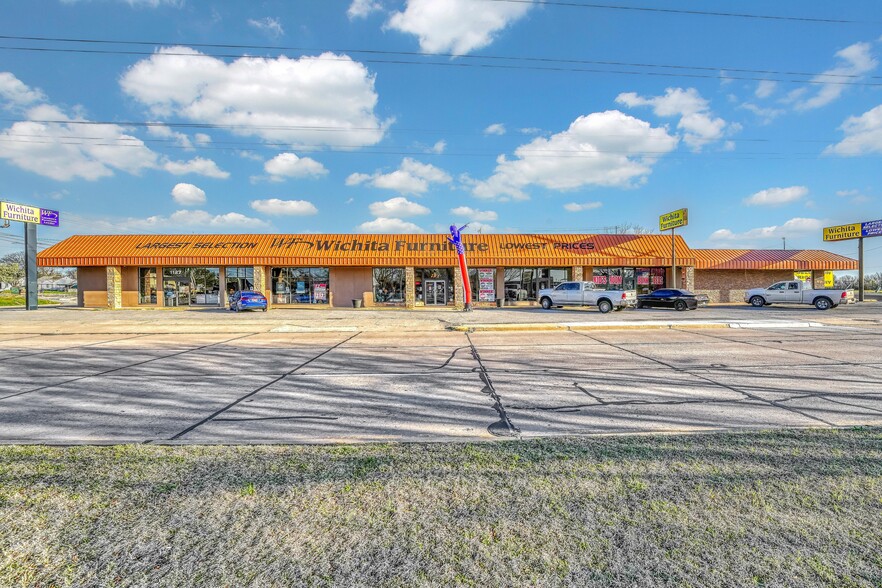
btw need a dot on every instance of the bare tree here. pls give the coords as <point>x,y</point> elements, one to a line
<point>846,282</point>
<point>627,229</point>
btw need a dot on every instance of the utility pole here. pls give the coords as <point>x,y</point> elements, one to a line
<point>784,239</point>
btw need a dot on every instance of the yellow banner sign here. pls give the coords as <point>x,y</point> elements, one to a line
<point>678,218</point>
<point>802,276</point>
<point>842,232</point>
<point>829,280</point>
<point>19,212</point>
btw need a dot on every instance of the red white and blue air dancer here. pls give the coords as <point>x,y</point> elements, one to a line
<point>460,250</point>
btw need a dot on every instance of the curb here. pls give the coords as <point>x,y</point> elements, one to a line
<point>632,326</point>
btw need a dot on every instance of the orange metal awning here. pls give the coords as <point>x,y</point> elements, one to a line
<point>771,259</point>
<point>334,250</point>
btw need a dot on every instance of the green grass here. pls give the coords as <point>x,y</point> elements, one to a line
<point>9,299</point>
<point>789,508</point>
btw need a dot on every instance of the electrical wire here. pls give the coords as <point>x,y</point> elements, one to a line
<point>509,58</point>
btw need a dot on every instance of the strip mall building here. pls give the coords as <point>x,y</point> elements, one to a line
<point>120,271</point>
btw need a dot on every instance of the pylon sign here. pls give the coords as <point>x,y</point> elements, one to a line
<point>28,214</point>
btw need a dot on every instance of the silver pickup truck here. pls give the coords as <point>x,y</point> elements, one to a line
<point>796,292</point>
<point>584,294</point>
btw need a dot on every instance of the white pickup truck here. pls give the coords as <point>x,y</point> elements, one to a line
<point>796,292</point>
<point>584,294</point>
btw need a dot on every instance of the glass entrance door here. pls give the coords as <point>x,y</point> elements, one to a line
<point>435,292</point>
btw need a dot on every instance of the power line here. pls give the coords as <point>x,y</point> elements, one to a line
<point>567,64</point>
<point>688,12</point>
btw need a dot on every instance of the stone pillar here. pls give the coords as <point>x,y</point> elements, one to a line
<point>224,298</point>
<point>261,283</point>
<point>688,277</point>
<point>114,287</point>
<point>818,280</point>
<point>458,289</point>
<point>409,287</point>
<point>577,273</point>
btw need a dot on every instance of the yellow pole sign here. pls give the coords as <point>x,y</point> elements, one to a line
<point>678,218</point>
<point>843,232</point>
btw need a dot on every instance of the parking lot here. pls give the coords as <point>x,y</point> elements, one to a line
<point>339,376</point>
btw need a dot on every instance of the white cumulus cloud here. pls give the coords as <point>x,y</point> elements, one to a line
<point>388,225</point>
<point>397,207</point>
<point>577,207</point>
<point>294,101</point>
<point>197,165</point>
<point>412,177</point>
<point>456,26</point>
<point>495,129</point>
<point>765,88</point>
<point>188,194</point>
<point>863,135</point>
<point>854,61</point>
<point>275,206</point>
<point>776,196</point>
<point>697,122</point>
<point>473,214</point>
<point>289,165</point>
<point>193,221</point>
<point>269,26</point>
<point>601,149</point>
<point>793,227</point>
<point>362,8</point>
<point>70,150</point>
<point>17,92</point>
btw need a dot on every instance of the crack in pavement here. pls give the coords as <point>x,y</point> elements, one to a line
<point>69,348</point>
<point>220,411</point>
<point>125,367</point>
<point>711,380</point>
<point>503,427</point>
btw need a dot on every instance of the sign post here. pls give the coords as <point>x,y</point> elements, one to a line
<point>672,220</point>
<point>855,231</point>
<point>31,216</point>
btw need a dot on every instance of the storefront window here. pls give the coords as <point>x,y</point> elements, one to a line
<point>483,281</point>
<point>147,285</point>
<point>389,285</point>
<point>649,279</point>
<point>184,286</point>
<point>620,278</point>
<point>300,285</point>
<point>523,283</point>
<point>239,278</point>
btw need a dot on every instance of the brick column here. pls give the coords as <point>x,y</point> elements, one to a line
<point>114,287</point>
<point>577,273</point>
<point>410,287</point>
<point>458,289</point>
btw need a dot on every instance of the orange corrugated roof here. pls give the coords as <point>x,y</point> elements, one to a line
<point>364,250</point>
<point>772,259</point>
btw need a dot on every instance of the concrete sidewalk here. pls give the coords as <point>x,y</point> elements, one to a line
<point>71,320</point>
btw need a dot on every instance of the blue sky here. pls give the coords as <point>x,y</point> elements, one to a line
<point>168,116</point>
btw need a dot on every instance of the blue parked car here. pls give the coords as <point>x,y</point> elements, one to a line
<point>245,300</point>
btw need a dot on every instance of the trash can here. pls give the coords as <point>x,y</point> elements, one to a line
<point>356,303</point>
<point>499,302</point>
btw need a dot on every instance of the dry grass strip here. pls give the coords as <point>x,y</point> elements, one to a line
<point>786,508</point>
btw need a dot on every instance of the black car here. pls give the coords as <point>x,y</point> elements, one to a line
<point>671,298</point>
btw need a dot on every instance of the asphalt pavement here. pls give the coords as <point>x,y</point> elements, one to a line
<point>342,376</point>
